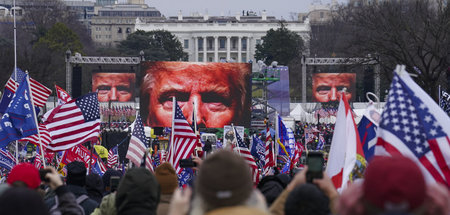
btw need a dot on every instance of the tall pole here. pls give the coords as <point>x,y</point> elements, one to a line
<point>68,72</point>
<point>303,62</point>
<point>172,148</point>
<point>36,119</point>
<point>15,67</point>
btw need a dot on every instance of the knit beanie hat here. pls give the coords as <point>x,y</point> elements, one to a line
<point>394,184</point>
<point>167,178</point>
<point>76,173</point>
<point>224,180</point>
<point>26,173</point>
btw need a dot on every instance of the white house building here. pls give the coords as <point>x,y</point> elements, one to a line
<point>221,38</point>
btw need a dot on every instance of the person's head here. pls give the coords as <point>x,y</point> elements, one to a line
<point>22,201</point>
<point>24,175</point>
<point>327,86</point>
<point>76,173</point>
<point>224,180</point>
<point>94,183</point>
<point>307,199</point>
<point>114,86</point>
<point>107,178</point>
<point>138,193</point>
<point>220,91</point>
<point>167,178</point>
<point>393,184</point>
<point>272,186</point>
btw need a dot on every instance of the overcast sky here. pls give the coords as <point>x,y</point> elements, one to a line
<point>277,8</point>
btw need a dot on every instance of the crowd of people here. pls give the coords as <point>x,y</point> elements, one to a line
<point>222,185</point>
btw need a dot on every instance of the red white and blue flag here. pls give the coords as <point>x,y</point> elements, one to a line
<point>45,137</point>
<point>137,148</point>
<point>113,157</point>
<point>244,152</point>
<point>184,139</point>
<point>75,122</point>
<point>413,125</point>
<point>7,160</point>
<point>39,92</point>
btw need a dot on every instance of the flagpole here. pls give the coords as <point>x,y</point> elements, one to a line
<point>36,119</point>
<point>439,95</point>
<point>174,101</point>
<point>194,121</point>
<point>235,137</point>
<point>15,68</point>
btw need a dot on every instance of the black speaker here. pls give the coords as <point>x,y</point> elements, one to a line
<point>158,130</point>
<point>76,81</point>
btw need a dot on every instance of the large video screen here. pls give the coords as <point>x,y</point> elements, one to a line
<point>325,86</point>
<point>118,87</point>
<point>219,92</point>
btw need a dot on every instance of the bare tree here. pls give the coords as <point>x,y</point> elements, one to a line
<point>415,33</point>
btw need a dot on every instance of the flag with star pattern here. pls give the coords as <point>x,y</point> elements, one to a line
<point>74,122</point>
<point>413,125</point>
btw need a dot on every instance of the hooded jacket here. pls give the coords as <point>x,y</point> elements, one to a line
<point>138,193</point>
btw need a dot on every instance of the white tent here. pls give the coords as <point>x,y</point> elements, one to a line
<point>298,113</point>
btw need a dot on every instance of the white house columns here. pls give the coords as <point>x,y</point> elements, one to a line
<point>211,49</point>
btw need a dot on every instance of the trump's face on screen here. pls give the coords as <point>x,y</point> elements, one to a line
<point>217,91</point>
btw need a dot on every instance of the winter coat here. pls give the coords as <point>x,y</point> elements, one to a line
<point>163,206</point>
<point>108,206</point>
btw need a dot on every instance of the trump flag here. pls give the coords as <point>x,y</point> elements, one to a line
<point>413,125</point>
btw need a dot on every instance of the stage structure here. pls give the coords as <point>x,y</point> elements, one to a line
<point>305,61</point>
<point>78,59</point>
<point>260,106</point>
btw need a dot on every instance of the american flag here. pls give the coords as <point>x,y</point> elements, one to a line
<point>244,152</point>
<point>45,137</point>
<point>413,125</point>
<point>40,92</point>
<point>184,139</point>
<point>37,160</point>
<point>113,156</point>
<point>269,155</point>
<point>297,154</point>
<point>199,146</point>
<point>137,148</point>
<point>75,122</point>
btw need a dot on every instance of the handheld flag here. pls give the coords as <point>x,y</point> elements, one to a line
<point>19,119</point>
<point>345,146</point>
<point>367,129</point>
<point>243,151</point>
<point>444,102</point>
<point>184,139</point>
<point>75,122</point>
<point>269,161</point>
<point>7,160</point>
<point>113,156</point>
<point>137,148</point>
<point>40,92</point>
<point>63,96</point>
<point>258,149</point>
<point>413,125</point>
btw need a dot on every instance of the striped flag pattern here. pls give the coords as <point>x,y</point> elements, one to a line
<point>113,156</point>
<point>184,139</point>
<point>137,148</point>
<point>45,137</point>
<point>269,160</point>
<point>40,92</point>
<point>37,160</point>
<point>413,125</point>
<point>75,122</point>
<point>244,152</point>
